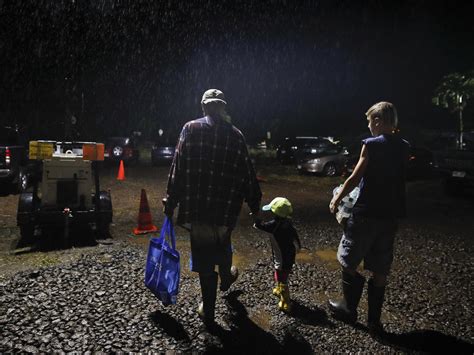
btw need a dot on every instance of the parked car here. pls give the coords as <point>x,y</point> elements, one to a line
<point>16,171</point>
<point>286,150</point>
<point>320,155</point>
<point>121,148</point>
<point>456,166</point>
<point>162,151</point>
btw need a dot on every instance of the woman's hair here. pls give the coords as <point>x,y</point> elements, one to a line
<point>385,111</point>
<point>216,109</point>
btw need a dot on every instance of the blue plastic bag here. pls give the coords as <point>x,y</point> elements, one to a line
<point>162,266</point>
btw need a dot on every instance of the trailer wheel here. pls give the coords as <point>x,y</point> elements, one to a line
<point>103,231</point>
<point>103,226</point>
<point>27,234</point>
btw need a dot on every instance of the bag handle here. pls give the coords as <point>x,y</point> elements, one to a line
<point>168,230</point>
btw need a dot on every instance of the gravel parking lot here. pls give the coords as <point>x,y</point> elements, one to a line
<point>92,298</point>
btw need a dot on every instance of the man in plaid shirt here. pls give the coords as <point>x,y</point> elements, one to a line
<point>210,177</point>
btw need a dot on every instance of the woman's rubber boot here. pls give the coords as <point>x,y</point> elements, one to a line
<point>277,289</point>
<point>208,290</point>
<point>285,301</point>
<point>375,297</point>
<point>346,308</point>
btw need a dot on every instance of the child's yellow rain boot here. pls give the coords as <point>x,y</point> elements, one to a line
<point>285,302</point>
<point>277,289</point>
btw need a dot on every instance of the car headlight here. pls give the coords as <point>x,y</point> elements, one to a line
<point>314,161</point>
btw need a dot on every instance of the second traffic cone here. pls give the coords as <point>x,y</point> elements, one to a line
<point>144,217</point>
<point>121,172</point>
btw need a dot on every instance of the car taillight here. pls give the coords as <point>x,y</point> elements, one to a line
<point>7,156</point>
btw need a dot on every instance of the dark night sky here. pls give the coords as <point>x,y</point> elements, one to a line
<point>311,68</point>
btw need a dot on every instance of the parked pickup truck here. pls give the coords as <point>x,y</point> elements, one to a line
<point>15,169</point>
<point>457,168</point>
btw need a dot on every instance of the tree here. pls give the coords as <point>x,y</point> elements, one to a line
<point>453,93</point>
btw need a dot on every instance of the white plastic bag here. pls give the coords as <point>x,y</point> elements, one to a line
<point>344,210</point>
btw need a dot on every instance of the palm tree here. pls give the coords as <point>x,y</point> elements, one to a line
<point>453,93</point>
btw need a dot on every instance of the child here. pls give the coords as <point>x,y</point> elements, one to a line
<point>283,241</point>
<point>370,231</point>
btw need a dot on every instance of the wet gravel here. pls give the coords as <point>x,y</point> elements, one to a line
<point>99,303</point>
<point>93,299</point>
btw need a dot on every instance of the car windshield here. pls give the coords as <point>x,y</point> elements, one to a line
<point>315,143</point>
<point>306,142</point>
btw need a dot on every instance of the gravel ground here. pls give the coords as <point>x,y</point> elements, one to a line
<point>93,298</point>
<point>99,303</point>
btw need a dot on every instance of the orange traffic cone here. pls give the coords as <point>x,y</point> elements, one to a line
<point>121,172</point>
<point>144,217</point>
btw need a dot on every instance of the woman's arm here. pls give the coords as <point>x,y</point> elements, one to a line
<point>353,180</point>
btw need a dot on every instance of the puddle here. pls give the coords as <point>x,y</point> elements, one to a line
<point>242,261</point>
<point>305,256</point>
<point>328,256</point>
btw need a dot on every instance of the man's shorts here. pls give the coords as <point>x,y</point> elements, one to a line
<point>370,240</point>
<point>210,246</point>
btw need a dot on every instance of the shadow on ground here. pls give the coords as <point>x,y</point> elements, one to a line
<point>311,316</point>
<point>428,341</point>
<point>245,336</point>
<point>170,326</point>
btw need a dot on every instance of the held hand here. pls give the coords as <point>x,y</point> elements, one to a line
<point>254,216</point>
<point>166,209</point>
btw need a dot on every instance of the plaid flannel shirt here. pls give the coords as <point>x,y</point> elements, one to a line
<point>211,174</point>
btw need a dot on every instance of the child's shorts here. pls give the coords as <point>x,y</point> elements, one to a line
<point>370,240</point>
<point>210,246</point>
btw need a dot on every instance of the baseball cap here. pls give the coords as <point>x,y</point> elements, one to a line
<point>279,206</point>
<point>213,95</point>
